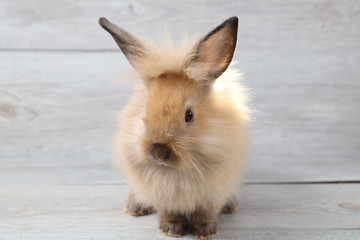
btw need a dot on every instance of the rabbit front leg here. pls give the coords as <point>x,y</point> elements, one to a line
<point>172,224</point>
<point>204,223</point>
<point>135,208</point>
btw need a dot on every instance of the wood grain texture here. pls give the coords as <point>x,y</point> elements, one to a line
<point>58,100</point>
<point>275,24</point>
<point>244,234</point>
<point>95,211</point>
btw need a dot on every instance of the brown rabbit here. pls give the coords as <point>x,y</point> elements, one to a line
<point>182,138</point>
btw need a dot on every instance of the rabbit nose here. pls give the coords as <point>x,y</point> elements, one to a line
<point>160,151</point>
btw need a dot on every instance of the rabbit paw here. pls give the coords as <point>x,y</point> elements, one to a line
<point>172,225</point>
<point>205,230</point>
<point>134,208</point>
<point>231,206</point>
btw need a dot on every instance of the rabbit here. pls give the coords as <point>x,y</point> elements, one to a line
<point>183,136</point>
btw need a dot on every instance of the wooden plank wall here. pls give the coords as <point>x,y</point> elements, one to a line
<point>59,101</point>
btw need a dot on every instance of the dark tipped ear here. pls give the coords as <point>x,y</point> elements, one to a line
<point>132,48</point>
<point>212,55</point>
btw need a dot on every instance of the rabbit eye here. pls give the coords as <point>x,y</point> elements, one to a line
<point>189,116</point>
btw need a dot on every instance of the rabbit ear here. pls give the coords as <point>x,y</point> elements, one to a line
<point>212,55</point>
<point>132,48</point>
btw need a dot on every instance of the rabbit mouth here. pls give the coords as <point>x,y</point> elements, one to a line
<point>161,162</point>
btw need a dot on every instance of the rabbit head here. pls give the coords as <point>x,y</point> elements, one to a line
<point>180,103</point>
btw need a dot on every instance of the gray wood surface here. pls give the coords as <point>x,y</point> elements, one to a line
<point>59,102</point>
<point>274,25</point>
<point>95,211</point>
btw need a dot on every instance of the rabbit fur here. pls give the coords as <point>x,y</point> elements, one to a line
<point>199,163</point>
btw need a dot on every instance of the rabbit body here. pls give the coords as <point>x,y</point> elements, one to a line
<point>182,138</point>
<point>210,152</point>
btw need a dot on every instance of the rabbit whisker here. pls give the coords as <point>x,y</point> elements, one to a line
<point>131,133</point>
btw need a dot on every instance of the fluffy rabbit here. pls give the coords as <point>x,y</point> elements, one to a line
<point>182,138</point>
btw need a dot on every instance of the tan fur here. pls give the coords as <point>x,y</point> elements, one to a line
<point>208,153</point>
<point>212,148</point>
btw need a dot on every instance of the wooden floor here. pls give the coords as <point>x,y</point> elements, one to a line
<point>59,101</point>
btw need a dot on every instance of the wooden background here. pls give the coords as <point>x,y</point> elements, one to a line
<point>59,101</point>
